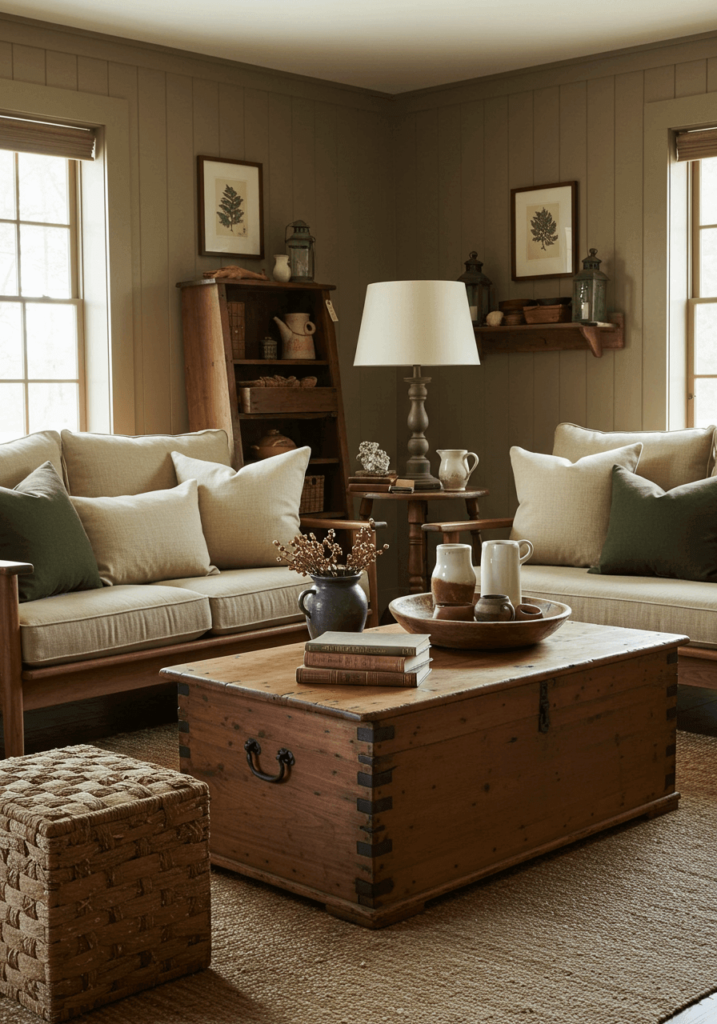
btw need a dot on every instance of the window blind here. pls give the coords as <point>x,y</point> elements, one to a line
<point>49,139</point>
<point>697,144</point>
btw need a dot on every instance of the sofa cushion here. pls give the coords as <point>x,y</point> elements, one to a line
<point>243,599</point>
<point>244,512</point>
<point>114,620</point>
<point>661,533</point>
<point>140,538</point>
<point>635,602</point>
<point>669,457</point>
<point>40,526</point>
<point>19,458</point>
<point>565,507</point>
<point>110,465</point>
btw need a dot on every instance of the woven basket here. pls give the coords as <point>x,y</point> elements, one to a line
<point>104,865</point>
<point>312,496</point>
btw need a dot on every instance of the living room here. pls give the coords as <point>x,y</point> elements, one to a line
<point>394,186</point>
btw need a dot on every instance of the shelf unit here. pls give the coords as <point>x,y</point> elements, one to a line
<point>213,376</point>
<point>552,337</point>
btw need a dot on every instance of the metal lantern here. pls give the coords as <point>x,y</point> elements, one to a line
<point>300,244</point>
<point>478,288</point>
<point>589,291</point>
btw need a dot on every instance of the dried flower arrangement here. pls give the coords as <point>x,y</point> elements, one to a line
<point>310,557</point>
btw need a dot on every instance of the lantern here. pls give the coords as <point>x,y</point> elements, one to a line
<point>300,244</point>
<point>589,291</point>
<point>478,289</point>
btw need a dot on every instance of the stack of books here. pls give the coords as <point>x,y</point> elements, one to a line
<point>371,482</point>
<point>366,659</point>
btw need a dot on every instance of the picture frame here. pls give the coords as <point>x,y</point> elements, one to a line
<point>544,231</point>
<point>231,208</point>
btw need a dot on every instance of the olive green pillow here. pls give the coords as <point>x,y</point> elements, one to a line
<point>39,525</point>
<point>661,533</point>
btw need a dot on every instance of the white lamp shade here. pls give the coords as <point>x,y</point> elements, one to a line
<point>416,323</point>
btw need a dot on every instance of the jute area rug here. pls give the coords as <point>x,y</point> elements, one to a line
<point>617,929</point>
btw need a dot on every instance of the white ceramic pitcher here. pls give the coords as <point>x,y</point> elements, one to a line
<point>455,468</point>
<point>500,567</point>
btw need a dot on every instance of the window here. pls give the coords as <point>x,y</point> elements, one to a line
<point>702,350</point>
<point>41,364</point>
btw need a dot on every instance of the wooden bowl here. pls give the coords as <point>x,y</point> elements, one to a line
<point>415,614</point>
<point>508,305</point>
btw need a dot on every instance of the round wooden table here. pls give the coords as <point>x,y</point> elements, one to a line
<point>417,505</point>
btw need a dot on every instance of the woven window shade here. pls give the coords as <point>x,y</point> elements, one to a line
<point>49,139</point>
<point>696,145</point>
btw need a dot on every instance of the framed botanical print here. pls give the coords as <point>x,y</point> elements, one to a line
<point>544,231</point>
<point>231,214</point>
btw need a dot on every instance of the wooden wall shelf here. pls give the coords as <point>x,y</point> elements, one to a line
<point>552,337</point>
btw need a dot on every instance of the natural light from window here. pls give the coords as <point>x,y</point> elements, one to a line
<point>40,338</point>
<point>703,385</point>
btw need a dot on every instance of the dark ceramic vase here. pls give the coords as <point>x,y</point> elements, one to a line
<point>336,603</point>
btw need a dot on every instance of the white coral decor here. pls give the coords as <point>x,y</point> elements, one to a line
<point>372,458</point>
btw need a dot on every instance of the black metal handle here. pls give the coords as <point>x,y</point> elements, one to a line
<point>283,756</point>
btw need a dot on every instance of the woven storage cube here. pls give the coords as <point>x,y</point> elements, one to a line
<point>312,495</point>
<point>104,878</point>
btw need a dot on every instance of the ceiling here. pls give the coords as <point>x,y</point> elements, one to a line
<point>392,46</point>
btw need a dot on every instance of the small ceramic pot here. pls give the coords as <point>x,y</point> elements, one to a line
<point>528,611</point>
<point>272,443</point>
<point>494,608</point>
<point>453,580</point>
<point>282,270</point>
<point>336,603</point>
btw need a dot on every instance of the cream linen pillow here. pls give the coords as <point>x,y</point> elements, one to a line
<point>669,458</point>
<point>20,458</point>
<point>244,511</point>
<point>564,506</point>
<point>140,538</point>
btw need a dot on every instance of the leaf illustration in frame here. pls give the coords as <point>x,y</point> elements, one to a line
<point>230,212</point>
<point>543,228</point>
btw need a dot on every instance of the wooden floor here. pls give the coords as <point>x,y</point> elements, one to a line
<point>697,712</point>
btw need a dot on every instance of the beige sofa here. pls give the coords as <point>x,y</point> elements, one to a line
<point>653,602</point>
<point>116,637</point>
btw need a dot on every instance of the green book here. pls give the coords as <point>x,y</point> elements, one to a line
<point>405,645</point>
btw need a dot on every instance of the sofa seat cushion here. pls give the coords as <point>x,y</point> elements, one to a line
<point>635,602</point>
<point>114,620</point>
<point>245,599</point>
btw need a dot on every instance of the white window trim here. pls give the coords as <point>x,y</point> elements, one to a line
<point>665,257</point>
<point>106,245</point>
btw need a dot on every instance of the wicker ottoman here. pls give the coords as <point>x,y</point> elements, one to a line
<point>104,878</point>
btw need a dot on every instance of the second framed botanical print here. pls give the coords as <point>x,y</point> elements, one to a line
<point>231,215</point>
<point>544,231</point>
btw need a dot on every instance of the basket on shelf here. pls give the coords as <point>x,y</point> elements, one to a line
<point>547,314</point>
<point>312,495</point>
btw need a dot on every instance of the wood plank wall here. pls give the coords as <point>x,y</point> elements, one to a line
<point>469,145</point>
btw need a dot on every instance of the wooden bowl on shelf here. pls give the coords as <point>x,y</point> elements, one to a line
<point>510,305</point>
<point>415,614</point>
<point>547,314</point>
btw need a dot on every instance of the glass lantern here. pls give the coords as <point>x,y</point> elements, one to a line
<point>478,288</point>
<point>300,244</point>
<point>589,291</point>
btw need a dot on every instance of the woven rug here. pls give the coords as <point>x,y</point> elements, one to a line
<point>620,928</point>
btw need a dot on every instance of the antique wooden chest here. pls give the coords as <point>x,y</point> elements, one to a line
<point>374,800</point>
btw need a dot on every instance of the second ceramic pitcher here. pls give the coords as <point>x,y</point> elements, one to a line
<point>456,468</point>
<point>500,567</point>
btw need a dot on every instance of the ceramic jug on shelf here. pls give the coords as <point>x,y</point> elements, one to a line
<point>500,567</point>
<point>455,468</point>
<point>296,331</point>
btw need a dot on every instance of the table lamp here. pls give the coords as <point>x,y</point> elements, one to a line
<point>417,323</point>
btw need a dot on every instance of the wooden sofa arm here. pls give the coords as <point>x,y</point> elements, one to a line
<point>452,531</point>
<point>11,657</point>
<point>337,524</point>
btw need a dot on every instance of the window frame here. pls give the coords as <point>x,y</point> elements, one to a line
<point>695,298</point>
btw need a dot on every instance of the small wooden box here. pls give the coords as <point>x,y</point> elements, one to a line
<point>395,796</point>
<point>104,879</point>
<point>263,400</point>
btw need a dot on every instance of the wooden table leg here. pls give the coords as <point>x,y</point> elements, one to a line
<point>365,508</point>
<point>417,546</point>
<point>476,539</point>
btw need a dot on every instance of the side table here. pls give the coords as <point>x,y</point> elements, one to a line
<point>417,506</point>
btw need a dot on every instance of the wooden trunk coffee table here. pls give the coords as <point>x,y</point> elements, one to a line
<point>389,797</point>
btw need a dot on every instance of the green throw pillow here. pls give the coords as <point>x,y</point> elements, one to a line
<point>38,524</point>
<point>661,533</point>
